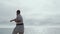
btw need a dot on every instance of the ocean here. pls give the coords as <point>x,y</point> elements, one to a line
<point>34,30</point>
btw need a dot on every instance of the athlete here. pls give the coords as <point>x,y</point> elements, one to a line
<point>19,24</point>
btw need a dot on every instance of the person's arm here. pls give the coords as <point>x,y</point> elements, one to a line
<point>18,18</point>
<point>12,20</point>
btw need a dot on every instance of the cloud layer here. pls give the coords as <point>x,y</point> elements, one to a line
<point>34,12</point>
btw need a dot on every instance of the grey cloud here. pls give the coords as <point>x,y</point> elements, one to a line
<point>38,12</point>
<point>51,20</point>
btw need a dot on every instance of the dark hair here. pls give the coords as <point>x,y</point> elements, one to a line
<point>18,11</point>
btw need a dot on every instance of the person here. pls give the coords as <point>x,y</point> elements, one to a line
<point>19,24</point>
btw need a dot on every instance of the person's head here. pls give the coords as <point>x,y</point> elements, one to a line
<point>18,12</point>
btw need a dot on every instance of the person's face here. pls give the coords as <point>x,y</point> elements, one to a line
<point>17,13</point>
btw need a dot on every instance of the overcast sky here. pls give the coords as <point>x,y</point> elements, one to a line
<point>34,12</point>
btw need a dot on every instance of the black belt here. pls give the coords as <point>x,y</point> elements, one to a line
<point>20,24</point>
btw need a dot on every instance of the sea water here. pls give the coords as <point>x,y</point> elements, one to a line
<point>34,30</point>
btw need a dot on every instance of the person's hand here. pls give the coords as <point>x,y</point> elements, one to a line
<point>10,20</point>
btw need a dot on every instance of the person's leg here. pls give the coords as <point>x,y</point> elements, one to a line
<point>21,29</point>
<point>21,32</point>
<point>14,32</point>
